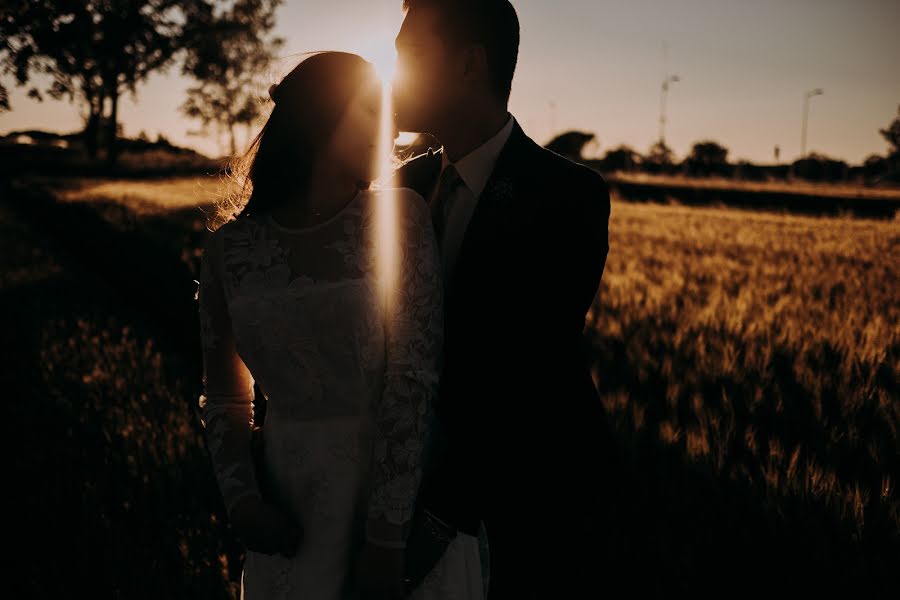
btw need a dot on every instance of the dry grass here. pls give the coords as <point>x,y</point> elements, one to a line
<point>850,190</point>
<point>140,197</point>
<point>759,349</point>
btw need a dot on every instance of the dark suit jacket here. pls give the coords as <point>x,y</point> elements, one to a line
<point>517,405</point>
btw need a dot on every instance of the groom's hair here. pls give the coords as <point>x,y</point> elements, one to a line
<point>491,23</point>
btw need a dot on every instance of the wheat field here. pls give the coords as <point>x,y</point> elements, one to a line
<point>762,348</point>
<point>748,363</point>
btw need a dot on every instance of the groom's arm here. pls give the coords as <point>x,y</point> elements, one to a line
<point>448,493</point>
<point>541,326</point>
<point>577,260</point>
<point>448,499</point>
<point>434,522</point>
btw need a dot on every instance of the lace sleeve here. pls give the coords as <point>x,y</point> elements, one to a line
<point>414,339</point>
<point>226,403</point>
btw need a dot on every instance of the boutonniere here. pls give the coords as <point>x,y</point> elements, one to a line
<point>501,188</point>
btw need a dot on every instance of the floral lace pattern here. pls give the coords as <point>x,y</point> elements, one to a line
<point>350,382</point>
<point>225,406</point>
<point>414,337</point>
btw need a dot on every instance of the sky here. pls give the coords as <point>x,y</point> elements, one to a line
<point>597,66</point>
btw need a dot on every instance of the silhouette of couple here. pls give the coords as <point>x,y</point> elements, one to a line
<point>432,429</point>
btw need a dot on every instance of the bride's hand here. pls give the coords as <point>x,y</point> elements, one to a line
<point>379,573</point>
<point>263,528</point>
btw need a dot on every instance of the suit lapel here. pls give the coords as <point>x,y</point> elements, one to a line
<point>421,174</point>
<point>495,200</point>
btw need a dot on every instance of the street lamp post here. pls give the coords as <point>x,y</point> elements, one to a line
<point>662,106</point>
<point>806,97</point>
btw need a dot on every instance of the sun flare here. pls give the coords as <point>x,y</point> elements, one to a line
<point>385,61</point>
<point>386,217</point>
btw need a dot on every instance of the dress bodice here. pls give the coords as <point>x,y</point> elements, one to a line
<point>305,312</point>
<point>340,345</point>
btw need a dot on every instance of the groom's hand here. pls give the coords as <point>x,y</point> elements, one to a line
<point>258,455</point>
<point>427,542</point>
<point>379,573</point>
<point>264,528</point>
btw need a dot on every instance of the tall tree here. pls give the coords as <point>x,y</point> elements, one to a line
<point>707,158</point>
<point>891,134</point>
<point>660,154</point>
<point>228,56</point>
<point>92,51</point>
<point>622,158</point>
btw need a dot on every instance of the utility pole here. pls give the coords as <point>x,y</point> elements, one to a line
<point>664,92</point>
<point>662,106</point>
<point>806,97</point>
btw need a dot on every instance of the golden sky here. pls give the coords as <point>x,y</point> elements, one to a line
<point>597,65</point>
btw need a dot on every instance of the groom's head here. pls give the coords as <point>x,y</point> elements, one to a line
<point>453,56</point>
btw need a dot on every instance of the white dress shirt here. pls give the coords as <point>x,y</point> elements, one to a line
<point>474,169</point>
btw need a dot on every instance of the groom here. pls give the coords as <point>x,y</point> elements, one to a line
<point>523,237</point>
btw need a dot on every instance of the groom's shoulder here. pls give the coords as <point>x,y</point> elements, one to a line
<point>571,175</point>
<point>557,171</point>
<point>564,183</point>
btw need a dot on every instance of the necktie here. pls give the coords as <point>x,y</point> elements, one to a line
<point>450,179</point>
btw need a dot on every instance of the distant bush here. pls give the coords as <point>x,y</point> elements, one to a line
<point>623,158</point>
<point>817,167</point>
<point>571,144</point>
<point>706,158</point>
<point>55,154</point>
<point>660,159</point>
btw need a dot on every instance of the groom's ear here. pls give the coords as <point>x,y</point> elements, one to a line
<point>475,64</point>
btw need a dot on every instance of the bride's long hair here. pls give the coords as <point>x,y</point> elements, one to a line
<point>308,105</point>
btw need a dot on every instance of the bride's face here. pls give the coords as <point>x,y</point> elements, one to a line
<point>358,143</point>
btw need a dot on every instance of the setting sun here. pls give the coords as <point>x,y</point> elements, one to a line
<point>385,61</point>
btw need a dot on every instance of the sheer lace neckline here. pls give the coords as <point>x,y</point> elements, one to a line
<point>271,220</point>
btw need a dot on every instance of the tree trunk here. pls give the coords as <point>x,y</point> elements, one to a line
<point>112,150</point>
<point>92,133</point>
<point>233,143</point>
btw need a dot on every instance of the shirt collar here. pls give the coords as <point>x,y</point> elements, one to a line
<point>475,168</point>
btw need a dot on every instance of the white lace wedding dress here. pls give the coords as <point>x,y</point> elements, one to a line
<point>349,383</point>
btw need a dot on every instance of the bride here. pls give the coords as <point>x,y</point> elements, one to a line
<point>292,297</point>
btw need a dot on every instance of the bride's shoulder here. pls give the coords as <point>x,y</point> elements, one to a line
<point>401,194</point>
<point>240,225</point>
<point>403,198</point>
<point>232,233</point>
<point>410,206</point>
